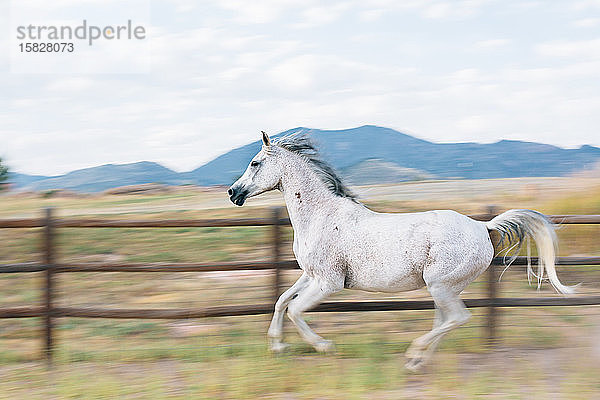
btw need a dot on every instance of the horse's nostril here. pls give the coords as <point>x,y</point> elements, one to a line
<point>230,192</point>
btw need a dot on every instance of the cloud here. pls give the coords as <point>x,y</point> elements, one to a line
<point>437,10</point>
<point>258,11</point>
<point>584,5</point>
<point>295,73</point>
<point>473,123</point>
<point>572,48</point>
<point>321,15</point>
<point>371,14</point>
<point>491,43</point>
<point>449,9</point>
<point>587,22</point>
<point>70,84</point>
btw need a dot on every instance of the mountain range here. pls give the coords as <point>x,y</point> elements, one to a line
<point>364,155</point>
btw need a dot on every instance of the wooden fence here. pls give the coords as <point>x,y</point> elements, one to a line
<point>50,267</point>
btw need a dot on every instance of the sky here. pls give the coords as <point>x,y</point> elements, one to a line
<point>218,72</point>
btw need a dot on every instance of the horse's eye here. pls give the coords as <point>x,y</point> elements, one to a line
<point>254,164</point>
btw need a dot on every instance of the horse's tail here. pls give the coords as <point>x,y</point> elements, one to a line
<point>515,226</point>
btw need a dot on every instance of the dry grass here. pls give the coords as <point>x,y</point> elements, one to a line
<point>227,357</point>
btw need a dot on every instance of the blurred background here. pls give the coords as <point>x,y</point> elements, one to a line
<point>227,357</point>
<point>471,106</point>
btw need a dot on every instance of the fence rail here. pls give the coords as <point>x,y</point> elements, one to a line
<point>220,223</point>
<point>227,266</point>
<point>50,267</point>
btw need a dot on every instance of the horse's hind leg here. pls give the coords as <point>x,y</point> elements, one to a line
<point>417,357</point>
<point>275,331</point>
<point>452,314</point>
<point>314,293</point>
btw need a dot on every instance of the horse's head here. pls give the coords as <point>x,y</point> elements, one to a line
<point>262,175</point>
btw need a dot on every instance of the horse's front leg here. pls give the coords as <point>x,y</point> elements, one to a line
<point>314,293</point>
<point>275,332</point>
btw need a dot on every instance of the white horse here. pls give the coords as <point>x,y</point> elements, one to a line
<point>339,243</point>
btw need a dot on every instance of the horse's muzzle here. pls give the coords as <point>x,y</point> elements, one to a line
<point>237,197</point>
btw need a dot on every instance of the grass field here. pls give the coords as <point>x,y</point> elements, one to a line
<point>543,353</point>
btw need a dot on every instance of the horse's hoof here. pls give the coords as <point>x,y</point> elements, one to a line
<point>414,365</point>
<point>416,360</point>
<point>279,347</point>
<point>325,346</point>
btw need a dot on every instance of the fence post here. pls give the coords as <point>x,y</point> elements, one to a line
<point>49,284</point>
<point>276,255</point>
<point>492,294</point>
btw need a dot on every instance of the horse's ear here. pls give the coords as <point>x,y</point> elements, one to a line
<point>266,140</point>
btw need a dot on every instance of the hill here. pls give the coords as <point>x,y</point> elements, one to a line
<point>97,179</point>
<point>353,152</point>
<point>344,148</point>
<point>374,171</point>
<point>24,180</point>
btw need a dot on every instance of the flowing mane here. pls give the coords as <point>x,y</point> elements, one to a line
<point>299,143</point>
